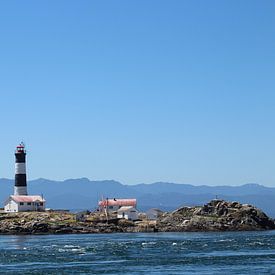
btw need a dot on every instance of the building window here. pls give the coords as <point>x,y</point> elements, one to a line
<point>41,203</point>
<point>29,203</point>
<point>21,203</point>
<point>111,207</point>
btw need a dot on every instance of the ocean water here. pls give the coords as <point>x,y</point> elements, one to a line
<point>152,253</point>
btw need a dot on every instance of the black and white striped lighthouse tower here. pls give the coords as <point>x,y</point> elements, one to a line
<point>20,186</point>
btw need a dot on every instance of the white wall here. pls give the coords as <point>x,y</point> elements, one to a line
<point>11,206</point>
<point>113,208</point>
<point>33,207</point>
<point>128,215</point>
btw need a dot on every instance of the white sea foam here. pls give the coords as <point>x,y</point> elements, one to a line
<point>256,243</point>
<point>78,250</point>
<point>148,243</point>
<point>70,246</point>
<point>224,240</point>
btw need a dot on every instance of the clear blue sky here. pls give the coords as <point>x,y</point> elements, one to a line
<point>139,91</point>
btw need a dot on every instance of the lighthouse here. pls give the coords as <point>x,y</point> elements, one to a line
<point>20,185</point>
<point>21,201</point>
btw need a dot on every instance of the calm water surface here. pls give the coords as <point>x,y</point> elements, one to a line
<point>158,253</point>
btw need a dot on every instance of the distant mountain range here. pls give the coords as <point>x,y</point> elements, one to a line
<point>82,193</point>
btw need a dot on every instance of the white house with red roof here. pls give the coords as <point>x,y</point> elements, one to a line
<point>24,203</point>
<point>115,204</point>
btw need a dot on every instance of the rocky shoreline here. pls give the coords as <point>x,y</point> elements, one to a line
<point>217,215</point>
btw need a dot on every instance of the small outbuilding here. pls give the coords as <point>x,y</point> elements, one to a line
<point>24,203</point>
<point>128,213</point>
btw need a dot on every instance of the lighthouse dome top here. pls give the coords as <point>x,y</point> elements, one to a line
<point>20,148</point>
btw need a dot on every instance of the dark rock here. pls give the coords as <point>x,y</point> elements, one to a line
<point>217,215</point>
<point>64,230</point>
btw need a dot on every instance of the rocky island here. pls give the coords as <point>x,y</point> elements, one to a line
<point>217,215</point>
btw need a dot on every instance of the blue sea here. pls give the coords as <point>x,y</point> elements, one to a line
<point>152,253</point>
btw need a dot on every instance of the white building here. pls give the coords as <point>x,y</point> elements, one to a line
<point>112,205</point>
<point>24,203</point>
<point>128,213</point>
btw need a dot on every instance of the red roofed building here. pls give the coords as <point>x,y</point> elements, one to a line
<point>115,204</point>
<point>24,203</point>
